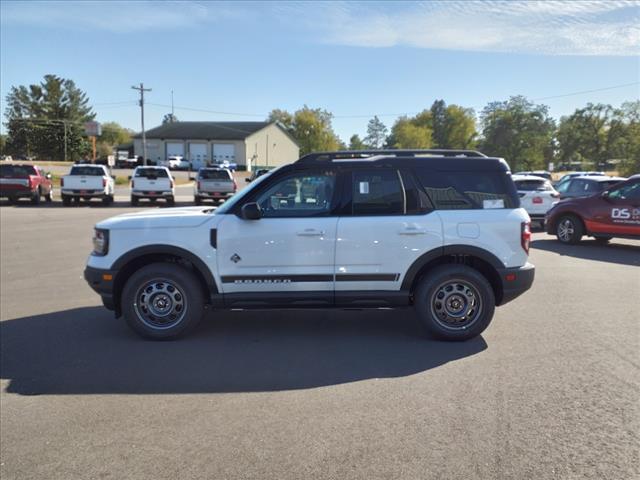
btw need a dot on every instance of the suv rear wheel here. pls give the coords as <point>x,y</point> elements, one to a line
<point>454,302</point>
<point>569,229</point>
<point>162,301</point>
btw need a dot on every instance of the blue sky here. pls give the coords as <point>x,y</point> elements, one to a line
<point>353,59</point>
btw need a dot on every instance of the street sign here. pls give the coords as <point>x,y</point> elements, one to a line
<point>92,129</point>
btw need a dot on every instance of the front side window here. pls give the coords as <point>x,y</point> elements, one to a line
<point>628,191</point>
<point>303,194</point>
<point>377,192</point>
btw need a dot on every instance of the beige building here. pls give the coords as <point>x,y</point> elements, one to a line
<point>248,144</point>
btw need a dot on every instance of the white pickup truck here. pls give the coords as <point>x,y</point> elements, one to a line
<point>152,183</point>
<point>215,184</point>
<point>87,181</point>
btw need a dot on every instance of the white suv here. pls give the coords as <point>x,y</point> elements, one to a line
<point>439,230</point>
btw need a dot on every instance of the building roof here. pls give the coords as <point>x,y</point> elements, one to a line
<point>207,130</point>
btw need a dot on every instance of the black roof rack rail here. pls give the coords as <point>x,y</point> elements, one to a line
<point>363,154</point>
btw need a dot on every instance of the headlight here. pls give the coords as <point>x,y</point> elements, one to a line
<point>100,242</point>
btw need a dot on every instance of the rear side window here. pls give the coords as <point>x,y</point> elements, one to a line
<point>17,171</point>
<point>469,189</point>
<point>214,175</point>
<point>151,173</point>
<point>377,192</point>
<point>87,171</point>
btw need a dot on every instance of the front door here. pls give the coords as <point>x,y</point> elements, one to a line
<point>617,213</point>
<point>290,249</point>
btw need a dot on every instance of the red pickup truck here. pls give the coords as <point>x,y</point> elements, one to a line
<point>25,181</point>
<point>612,213</point>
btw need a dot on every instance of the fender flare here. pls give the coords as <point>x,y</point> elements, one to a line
<point>445,251</point>
<point>160,249</point>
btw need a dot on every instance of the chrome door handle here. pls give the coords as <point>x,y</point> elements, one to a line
<point>412,231</point>
<point>310,232</point>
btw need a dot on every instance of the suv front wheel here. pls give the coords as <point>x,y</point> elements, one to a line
<point>454,302</point>
<point>162,301</point>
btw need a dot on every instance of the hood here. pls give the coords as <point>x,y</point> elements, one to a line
<point>182,217</point>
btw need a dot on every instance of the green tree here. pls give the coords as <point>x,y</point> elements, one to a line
<point>311,127</point>
<point>407,133</point>
<point>519,131</point>
<point>356,143</point>
<point>43,118</point>
<point>376,133</point>
<point>626,147</point>
<point>453,126</point>
<point>113,134</point>
<point>3,143</point>
<point>169,118</point>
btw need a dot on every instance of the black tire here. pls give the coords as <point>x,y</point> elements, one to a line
<point>454,302</point>
<point>49,197</point>
<point>107,200</point>
<point>134,201</point>
<point>66,200</point>
<point>171,201</point>
<point>162,301</point>
<point>35,198</point>
<point>569,229</point>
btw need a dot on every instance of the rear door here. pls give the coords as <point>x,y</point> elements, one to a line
<point>388,224</point>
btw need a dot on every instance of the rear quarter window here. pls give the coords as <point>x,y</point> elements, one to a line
<point>469,190</point>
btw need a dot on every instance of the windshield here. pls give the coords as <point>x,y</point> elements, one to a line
<point>17,171</point>
<point>151,173</point>
<point>229,204</point>
<point>87,171</point>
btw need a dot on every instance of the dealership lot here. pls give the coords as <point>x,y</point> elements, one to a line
<point>551,390</point>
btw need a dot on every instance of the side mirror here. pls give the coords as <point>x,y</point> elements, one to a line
<point>248,180</point>
<point>113,176</point>
<point>48,176</point>
<point>605,195</point>
<point>251,211</point>
<point>129,177</point>
<point>191,178</point>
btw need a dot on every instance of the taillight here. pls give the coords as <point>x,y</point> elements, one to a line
<point>199,185</point>
<point>171,183</point>
<point>62,182</point>
<point>525,236</point>
<point>235,185</point>
<point>132,184</point>
<point>31,183</point>
<point>104,182</point>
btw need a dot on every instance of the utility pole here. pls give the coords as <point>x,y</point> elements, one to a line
<point>141,89</point>
<point>64,123</point>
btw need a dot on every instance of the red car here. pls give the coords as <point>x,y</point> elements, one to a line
<point>613,213</point>
<point>25,181</point>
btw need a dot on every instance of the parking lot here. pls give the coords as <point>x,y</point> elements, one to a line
<point>551,389</point>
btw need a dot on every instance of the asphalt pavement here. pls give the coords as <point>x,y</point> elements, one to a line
<point>550,391</point>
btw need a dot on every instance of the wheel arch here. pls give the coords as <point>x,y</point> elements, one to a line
<point>137,258</point>
<point>479,259</point>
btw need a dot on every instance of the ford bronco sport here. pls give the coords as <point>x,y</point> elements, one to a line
<point>439,230</point>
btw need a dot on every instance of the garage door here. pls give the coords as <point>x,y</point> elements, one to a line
<point>198,155</point>
<point>175,149</point>
<point>224,151</point>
